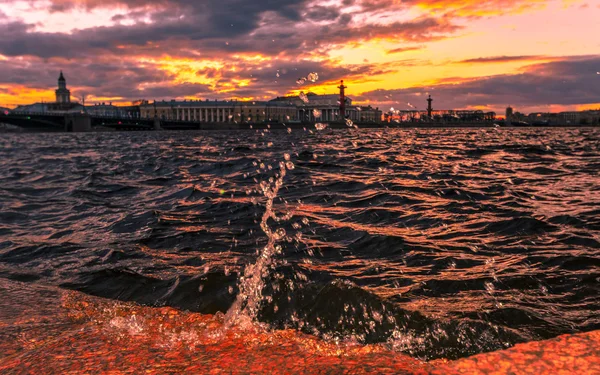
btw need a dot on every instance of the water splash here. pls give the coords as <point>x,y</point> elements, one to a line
<point>244,311</point>
<point>312,77</point>
<point>303,97</point>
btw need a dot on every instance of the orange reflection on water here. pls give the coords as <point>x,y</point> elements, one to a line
<point>45,330</point>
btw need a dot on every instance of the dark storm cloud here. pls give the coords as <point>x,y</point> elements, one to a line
<point>264,26</point>
<point>573,81</point>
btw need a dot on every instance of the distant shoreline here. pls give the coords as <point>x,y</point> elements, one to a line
<point>301,126</point>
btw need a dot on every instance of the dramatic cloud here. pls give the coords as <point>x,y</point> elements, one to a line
<point>538,88</point>
<point>128,50</point>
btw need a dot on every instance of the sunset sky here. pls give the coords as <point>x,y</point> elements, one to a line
<point>536,55</point>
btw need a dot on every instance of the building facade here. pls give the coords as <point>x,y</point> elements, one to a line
<point>590,117</point>
<point>219,111</point>
<point>110,110</point>
<point>326,106</point>
<point>369,114</point>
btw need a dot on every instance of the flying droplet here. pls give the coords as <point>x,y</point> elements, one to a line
<point>349,123</point>
<point>301,81</point>
<point>313,77</point>
<point>303,97</point>
<point>320,126</point>
<point>316,113</point>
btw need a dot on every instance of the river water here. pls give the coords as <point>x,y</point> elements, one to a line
<point>437,243</point>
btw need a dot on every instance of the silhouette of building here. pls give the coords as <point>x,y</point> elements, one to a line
<point>63,103</point>
<point>63,95</point>
<point>509,112</point>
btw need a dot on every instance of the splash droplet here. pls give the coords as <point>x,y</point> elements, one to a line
<point>303,97</point>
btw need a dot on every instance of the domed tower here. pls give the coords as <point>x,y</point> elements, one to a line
<point>63,95</point>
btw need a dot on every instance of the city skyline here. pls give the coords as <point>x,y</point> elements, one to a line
<point>538,56</point>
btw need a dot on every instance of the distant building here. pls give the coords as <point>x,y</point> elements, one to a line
<point>49,108</point>
<point>590,117</point>
<point>544,118</point>
<point>369,114</point>
<point>328,106</point>
<point>110,110</point>
<point>63,102</point>
<point>63,95</point>
<point>219,111</point>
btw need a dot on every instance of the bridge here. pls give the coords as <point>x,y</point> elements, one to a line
<point>83,122</point>
<point>78,122</point>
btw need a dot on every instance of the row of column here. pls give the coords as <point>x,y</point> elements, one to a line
<point>204,114</point>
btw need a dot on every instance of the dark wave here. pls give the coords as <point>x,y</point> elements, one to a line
<point>441,243</point>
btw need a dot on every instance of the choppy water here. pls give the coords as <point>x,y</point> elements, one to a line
<point>441,243</point>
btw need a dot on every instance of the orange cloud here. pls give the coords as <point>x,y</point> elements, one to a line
<point>481,8</point>
<point>506,59</point>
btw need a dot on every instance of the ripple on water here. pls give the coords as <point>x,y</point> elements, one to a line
<point>440,243</point>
